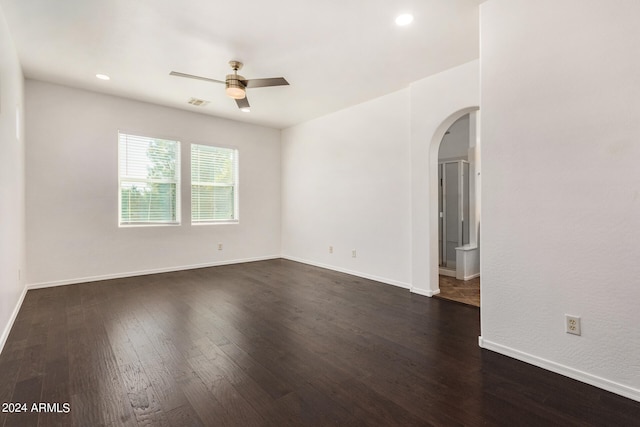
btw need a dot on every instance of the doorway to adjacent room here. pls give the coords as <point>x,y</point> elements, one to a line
<point>458,212</point>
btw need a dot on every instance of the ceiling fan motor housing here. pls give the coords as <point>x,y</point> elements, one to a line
<point>234,87</point>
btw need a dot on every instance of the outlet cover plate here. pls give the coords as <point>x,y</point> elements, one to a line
<point>572,324</point>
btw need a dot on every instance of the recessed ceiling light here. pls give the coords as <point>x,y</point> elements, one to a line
<point>404,19</point>
<point>103,77</point>
<point>245,110</point>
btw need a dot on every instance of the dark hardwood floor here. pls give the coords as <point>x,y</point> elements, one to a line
<point>274,343</point>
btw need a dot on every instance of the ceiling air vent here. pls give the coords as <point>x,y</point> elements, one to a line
<point>198,102</point>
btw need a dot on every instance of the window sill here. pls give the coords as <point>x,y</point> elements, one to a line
<point>225,222</point>
<point>138,225</point>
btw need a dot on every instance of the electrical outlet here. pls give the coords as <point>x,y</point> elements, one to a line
<point>353,253</point>
<point>572,324</point>
<point>219,246</point>
<point>330,249</point>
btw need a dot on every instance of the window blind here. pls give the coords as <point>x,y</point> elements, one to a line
<point>214,192</point>
<point>149,180</point>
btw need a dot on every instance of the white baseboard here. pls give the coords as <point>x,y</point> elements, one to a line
<point>351,272</point>
<point>425,292</point>
<point>454,274</point>
<point>12,319</point>
<point>585,377</point>
<point>145,272</point>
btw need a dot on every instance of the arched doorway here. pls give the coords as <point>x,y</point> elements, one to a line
<point>434,214</point>
<point>458,212</point>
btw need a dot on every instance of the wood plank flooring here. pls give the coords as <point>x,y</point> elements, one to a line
<point>274,343</point>
<point>463,291</point>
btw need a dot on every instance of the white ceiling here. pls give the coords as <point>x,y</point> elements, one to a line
<point>334,53</point>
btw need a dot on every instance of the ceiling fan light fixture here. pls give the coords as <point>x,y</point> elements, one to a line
<point>235,92</point>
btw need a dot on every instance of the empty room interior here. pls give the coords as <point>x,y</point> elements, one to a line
<point>319,213</point>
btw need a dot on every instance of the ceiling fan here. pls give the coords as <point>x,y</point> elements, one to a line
<point>236,85</point>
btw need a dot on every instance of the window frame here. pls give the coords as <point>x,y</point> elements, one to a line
<point>235,186</point>
<point>177,182</point>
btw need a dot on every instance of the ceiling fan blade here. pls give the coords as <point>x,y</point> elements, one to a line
<point>274,81</point>
<point>190,76</point>
<point>242,103</point>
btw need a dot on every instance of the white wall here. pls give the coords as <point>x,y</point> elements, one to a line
<point>365,178</point>
<point>436,103</point>
<point>72,188</point>
<point>12,224</point>
<point>346,183</point>
<point>561,185</point>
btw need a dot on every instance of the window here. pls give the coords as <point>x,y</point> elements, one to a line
<point>149,175</point>
<point>214,184</point>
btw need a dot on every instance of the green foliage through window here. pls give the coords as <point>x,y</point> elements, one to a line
<point>149,174</point>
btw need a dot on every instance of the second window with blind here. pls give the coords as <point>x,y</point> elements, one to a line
<point>214,184</point>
